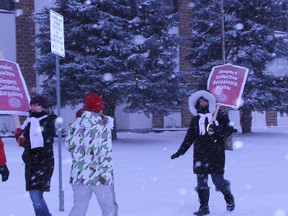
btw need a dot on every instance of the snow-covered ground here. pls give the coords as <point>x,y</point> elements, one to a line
<point>149,183</point>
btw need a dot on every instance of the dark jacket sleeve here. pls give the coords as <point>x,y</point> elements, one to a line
<point>224,129</point>
<point>189,138</point>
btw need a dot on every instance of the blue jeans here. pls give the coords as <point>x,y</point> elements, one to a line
<point>39,204</point>
<point>220,183</point>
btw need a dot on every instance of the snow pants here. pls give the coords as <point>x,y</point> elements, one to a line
<point>105,196</point>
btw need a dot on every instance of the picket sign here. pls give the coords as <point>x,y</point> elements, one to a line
<point>14,95</point>
<point>226,82</point>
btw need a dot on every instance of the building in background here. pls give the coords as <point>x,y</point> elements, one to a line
<point>16,44</point>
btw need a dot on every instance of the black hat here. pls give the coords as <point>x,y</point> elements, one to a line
<point>40,100</point>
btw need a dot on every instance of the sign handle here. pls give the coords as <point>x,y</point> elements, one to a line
<point>16,120</point>
<point>216,112</point>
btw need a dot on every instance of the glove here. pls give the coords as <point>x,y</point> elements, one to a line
<point>211,128</point>
<point>176,155</point>
<point>21,141</point>
<point>4,172</point>
<point>18,132</point>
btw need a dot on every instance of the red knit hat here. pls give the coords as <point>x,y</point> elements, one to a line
<point>94,103</point>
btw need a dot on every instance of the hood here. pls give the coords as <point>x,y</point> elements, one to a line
<point>196,96</point>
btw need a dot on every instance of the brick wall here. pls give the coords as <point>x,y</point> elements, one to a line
<point>25,33</point>
<point>271,118</point>
<point>185,12</point>
<point>158,121</point>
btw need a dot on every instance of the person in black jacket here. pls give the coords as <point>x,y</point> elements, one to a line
<point>38,138</point>
<point>209,148</point>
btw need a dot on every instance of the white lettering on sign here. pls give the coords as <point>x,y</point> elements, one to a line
<point>225,79</point>
<point>14,95</point>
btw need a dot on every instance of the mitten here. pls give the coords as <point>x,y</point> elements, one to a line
<point>176,155</point>
<point>4,171</point>
<point>21,141</point>
<point>18,132</point>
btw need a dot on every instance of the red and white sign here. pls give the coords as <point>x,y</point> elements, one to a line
<point>226,83</point>
<point>13,90</point>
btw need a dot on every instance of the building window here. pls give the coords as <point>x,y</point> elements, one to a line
<point>7,5</point>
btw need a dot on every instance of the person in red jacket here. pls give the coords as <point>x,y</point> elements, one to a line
<point>4,171</point>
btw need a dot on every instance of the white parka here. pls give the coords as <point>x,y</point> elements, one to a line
<point>89,141</point>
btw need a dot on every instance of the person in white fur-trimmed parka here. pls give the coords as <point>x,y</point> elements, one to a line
<point>209,148</point>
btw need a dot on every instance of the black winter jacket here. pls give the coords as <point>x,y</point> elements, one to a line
<point>39,162</point>
<point>209,151</point>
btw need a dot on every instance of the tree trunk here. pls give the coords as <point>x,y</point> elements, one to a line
<point>157,121</point>
<point>246,120</point>
<point>110,111</point>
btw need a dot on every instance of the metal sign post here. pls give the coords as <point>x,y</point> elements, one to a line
<point>57,47</point>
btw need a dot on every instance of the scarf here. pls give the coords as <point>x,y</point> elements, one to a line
<point>36,137</point>
<point>202,128</point>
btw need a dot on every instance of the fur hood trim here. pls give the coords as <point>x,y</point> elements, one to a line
<point>196,96</point>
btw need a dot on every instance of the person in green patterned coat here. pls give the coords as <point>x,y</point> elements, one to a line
<point>89,141</point>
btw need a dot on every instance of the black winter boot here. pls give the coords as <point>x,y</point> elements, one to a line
<point>229,198</point>
<point>203,195</point>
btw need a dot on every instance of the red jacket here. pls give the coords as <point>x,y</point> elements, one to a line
<point>2,154</point>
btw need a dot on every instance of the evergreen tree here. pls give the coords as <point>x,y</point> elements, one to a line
<point>154,55</point>
<point>121,49</point>
<point>250,42</point>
